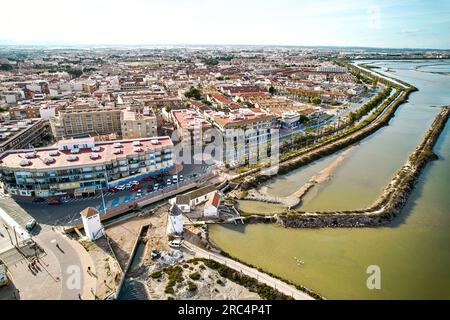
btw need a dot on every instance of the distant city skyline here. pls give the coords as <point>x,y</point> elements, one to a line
<point>383,24</point>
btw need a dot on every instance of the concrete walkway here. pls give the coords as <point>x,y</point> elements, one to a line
<point>277,284</point>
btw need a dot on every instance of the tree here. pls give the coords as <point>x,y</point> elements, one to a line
<point>193,93</point>
<point>272,90</point>
<point>6,67</point>
<point>75,72</point>
<point>316,101</point>
<point>303,118</point>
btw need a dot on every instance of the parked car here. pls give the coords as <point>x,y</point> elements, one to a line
<point>30,225</point>
<point>169,182</point>
<point>181,177</point>
<point>177,243</point>
<point>3,276</point>
<point>134,182</point>
<point>128,186</point>
<point>156,186</point>
<point>175,178</point>
<point>136,187</point>
<point>155,254</point>
<point>121,187</point>
<point>113,190</point>
<point>150,188</point>
<point>139,194</point>
<point>54,202</point>
<point>147,179</point>
<point>38,199</point>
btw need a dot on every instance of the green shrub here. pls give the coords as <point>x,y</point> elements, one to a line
<point>191,286</point>
<point>195,276</point>
<point>156,274</point>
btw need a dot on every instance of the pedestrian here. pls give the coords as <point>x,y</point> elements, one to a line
<point>79,296</point>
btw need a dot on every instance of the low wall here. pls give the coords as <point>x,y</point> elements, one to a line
<point>145,201</point>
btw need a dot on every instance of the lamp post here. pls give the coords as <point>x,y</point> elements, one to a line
<point>101,191</point>
<point>7,230</point>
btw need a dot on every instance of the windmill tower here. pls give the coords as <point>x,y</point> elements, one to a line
<point>175,221</point>
<point>92,224</point>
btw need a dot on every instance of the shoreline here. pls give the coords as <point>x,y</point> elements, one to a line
<point>380,117</point>
<point>294,199</point>
<point>387,206</point>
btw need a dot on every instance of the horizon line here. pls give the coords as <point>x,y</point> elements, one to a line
<point>111,45</point>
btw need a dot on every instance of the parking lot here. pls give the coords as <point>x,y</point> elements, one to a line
<point>68,212</point>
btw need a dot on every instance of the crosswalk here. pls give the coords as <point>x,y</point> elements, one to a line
<point>97,196</point>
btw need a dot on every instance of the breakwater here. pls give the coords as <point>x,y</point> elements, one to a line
<point>377,120</point>
<point>391,201</point>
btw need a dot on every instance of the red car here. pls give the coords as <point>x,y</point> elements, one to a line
<point>147,179</point>
<point>113,189</point>
<point>136,187</point>
<point>54,202</point>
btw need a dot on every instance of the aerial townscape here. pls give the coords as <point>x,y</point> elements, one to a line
<point>223,172</point>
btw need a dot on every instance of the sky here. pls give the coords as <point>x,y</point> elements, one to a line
<point>367,23</point>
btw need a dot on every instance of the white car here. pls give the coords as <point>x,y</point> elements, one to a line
<point>134,183</point>
<point>181,177</point>
<point>128,186</point>
<point>156,186</point>
<point>177,243</point>
<point>120,187</point>
<point>139,193</point>
<point>169,182</point>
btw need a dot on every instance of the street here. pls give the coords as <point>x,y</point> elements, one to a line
<point>23,210</point>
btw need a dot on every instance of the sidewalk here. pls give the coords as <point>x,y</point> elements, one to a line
<point>42,284</point>
<point>90,282</point>
<point>279,285</point>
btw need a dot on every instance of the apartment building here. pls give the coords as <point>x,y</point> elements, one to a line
<point>246,134</point>
<point>20,112</point>
<point>78,166</point>
<point>191,126</point>
<point>138,124</point>
<point>98,121</point>
<point>20,134</point>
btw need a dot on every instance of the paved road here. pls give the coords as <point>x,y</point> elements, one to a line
<point>5,240</point>
<point>69,263</point>
<point>23,210</point>
<point>279,285</point>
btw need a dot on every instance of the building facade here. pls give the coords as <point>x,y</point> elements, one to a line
<point>191,127</point>
<point>72,122</point>
<point>246,134</point>
<point>135,124</point>
<point>80,166</point>
<point>20,134</point>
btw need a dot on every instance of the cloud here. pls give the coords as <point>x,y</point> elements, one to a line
<point>374,19</point>
<point>410,31</point>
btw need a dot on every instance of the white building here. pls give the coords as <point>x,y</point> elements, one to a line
<point>189,200</point>
<point>175,221</point>
<point>211,208</point>
<point>92,224</point>
<point>46,112</point>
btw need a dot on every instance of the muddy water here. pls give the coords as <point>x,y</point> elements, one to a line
<point>413,252</point>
